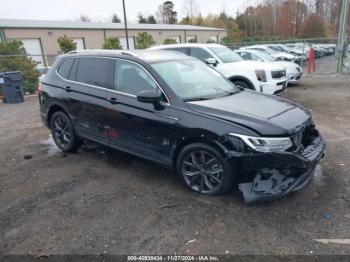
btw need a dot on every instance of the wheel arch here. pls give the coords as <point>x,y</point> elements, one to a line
<point>55,107</point>
<point>196,139</point>
<point>244,79</point>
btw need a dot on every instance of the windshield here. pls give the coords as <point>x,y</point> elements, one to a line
<point>194,80</point>
<point>225,54</point>
<point>265,56</point>
<point>276,48</point>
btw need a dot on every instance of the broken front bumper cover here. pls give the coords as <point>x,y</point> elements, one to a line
<point>271,183</point>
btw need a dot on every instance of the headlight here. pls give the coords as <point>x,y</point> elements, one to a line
<point>260,75</point>
<point>266,144</point>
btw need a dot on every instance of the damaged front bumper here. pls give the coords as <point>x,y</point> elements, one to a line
<point>277,174</point>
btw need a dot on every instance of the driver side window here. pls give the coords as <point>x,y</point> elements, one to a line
<point>130,78</point>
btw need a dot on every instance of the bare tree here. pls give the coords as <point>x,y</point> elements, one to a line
<point>190,9</point>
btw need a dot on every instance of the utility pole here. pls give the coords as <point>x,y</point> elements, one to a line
<point>342,38</point>
<point>126,27</point>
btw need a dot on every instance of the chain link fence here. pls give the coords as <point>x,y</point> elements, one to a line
<point>326,51</point>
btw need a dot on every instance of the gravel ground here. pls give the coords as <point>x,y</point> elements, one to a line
<point>99,201</point>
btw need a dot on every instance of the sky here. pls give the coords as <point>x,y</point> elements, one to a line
<point>102,9</point>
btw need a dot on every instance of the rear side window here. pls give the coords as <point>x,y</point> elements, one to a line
<point>95,71</point>
<point>65,68</point>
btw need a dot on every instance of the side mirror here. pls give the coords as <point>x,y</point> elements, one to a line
<point>211,61</point>
<point>149,96</point>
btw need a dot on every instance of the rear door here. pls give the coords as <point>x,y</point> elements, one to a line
<point>90,78</point>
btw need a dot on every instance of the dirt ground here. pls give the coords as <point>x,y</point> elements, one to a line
<point>102,202</point>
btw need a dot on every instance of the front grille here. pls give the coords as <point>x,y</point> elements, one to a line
<point>278,74</point>
<point>299,69</point>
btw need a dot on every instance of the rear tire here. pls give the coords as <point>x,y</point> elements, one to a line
<point>63,132</point>
<point>203,169</point>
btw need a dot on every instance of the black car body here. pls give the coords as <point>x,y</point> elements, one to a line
<point>82,86</point>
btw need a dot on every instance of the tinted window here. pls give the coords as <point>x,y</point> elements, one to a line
<point>95,71</point>
<point>65,67</point>
<point>200,53</point>
<point>245,56</point>
<point>131,78</point>
<point>73,71</point>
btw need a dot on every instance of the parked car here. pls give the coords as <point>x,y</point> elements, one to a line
<point>278,55</point>
<point>177,111</point>
<point>258,76</point>
<point>42,71</point>
<point>293,70</point>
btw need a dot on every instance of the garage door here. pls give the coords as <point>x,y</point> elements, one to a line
<point>33,48</point>
<point>80,43</point>
<point>131,43</point>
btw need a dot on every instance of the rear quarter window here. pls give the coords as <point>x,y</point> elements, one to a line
<point>65,68</point>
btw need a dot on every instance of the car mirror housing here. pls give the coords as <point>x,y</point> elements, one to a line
<point>211,61</point>
<point>149,96</point>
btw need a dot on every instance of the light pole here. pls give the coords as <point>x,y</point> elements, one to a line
<point>126,27</point>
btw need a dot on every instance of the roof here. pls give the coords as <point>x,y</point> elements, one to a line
<point>159,47</point>
<point>149,56</point>
<point>14,23</point>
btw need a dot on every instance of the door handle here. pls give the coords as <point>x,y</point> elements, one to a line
<point>68,89</point>
<point>113,100</point>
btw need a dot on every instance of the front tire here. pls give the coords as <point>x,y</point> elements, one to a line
<point>242,84</point>
<point>63,133</point>
<point>203,169</point>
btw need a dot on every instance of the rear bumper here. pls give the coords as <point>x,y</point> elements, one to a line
<point>271,176</point>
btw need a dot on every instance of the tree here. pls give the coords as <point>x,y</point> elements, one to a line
<point>144,40</point>
<point>85,18</point>
<point>314,27</point>
<point>66,44</point>
<point>112,43</point>
<point>166,13</point>
<point>191,9</point>
<point>169,41</point>
<point>193,40</point>
<point>15,58</point>
<point>146,20</point>
<point>115,19</point>
<point>225,41</point>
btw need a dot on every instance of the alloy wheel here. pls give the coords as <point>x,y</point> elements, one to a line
<point>202,172</point>
<point>62,132</point>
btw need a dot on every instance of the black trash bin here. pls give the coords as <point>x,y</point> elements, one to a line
<point>11,85</point>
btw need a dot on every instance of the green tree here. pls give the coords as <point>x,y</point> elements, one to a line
<point>66,44</point>
<point>210,41</point>
<point>15,58</point>
<point>193,40</point>
<point>225,41</point>
<point>112,43</point>
<point>169,41</point>
<point>166,13</point>
<point>115,19</point>
<point>144,40</point>
<point>146,20</point>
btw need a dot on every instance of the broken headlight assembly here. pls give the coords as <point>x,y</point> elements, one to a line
<point>266,144</point>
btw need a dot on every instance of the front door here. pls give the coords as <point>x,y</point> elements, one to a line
<point>134,126</point>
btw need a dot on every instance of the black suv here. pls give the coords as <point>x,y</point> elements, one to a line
<point>173,109</point>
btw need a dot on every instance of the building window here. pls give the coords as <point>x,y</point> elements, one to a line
<point>214,38</point>
<point>191,39</point>
<point>34,49</point>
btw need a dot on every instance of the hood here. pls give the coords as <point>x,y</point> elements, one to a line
<point>286,55</point>
<point>266,115</point>
<point>288,65</point>
<point>252,65</point>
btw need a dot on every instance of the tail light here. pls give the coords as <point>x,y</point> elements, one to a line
<point>40,89</point>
